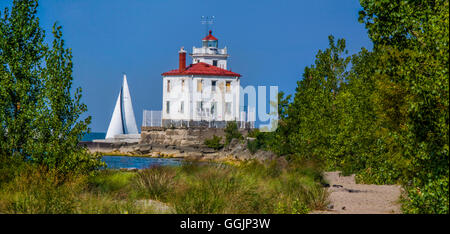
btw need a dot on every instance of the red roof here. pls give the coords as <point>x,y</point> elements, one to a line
<point>202,69</point>
<point>210,37</point>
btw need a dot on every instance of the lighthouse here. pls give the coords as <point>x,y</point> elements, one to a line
<point>210,53</point>
<point>204,93</point>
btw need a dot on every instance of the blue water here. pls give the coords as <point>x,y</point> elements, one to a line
<point>117,162</point>
<point>93,135</point>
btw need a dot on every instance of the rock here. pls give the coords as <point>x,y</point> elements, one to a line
<point>207,150</point>
<point>343,208</point>
<point>233,143</point>
<point>353,191</point>
<point>194,156</point>
<point>154,154</point>
<point>145,149</point>
<point>330,207</point>
<point>156,206</point>
<point>238,148</point>
<point>129,169</point>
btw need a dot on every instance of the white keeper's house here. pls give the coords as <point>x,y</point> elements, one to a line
<point>205,93</point>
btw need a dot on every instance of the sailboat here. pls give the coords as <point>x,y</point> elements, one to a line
<point>122,121</point>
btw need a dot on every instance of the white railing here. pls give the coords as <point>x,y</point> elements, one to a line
<point>251,116</point>
<point>152,118</point>
<point>207,50</point>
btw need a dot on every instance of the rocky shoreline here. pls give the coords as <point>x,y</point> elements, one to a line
<point>235,151</point>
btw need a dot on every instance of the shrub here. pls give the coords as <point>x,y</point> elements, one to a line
<point>252,146</point>
<point>429,199</point>
<point>155,182</point>
<point>214,142</point>
<point>232,132</point>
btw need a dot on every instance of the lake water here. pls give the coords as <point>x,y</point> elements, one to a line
<point>93,135</point>
<point>117,162</point>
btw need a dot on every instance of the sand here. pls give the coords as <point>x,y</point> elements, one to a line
<point>347,197</point>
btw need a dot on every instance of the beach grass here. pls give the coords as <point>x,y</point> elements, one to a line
<point>192,188</point>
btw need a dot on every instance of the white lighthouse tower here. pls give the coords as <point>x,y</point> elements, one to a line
<point>210,53</point>
<point>204,93</point>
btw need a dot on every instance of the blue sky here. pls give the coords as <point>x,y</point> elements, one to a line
<point>270,42</point>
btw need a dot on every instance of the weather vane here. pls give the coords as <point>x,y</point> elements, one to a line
<point>207,20</point>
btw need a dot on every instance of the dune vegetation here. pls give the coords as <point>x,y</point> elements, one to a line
<point>193,188</point>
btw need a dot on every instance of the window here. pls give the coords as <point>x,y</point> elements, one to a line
<point>228,86</point>
<point>199,85</point>
<point>167,107</point>
<point>213,85</point>
<point>215,63</point>
<point>212,44</point>
<point>199,108</point>
<point>182,107</point>
<point>182,85</point>
<point>168,86</point>
<point>213,108</point>
<point>228,108</point>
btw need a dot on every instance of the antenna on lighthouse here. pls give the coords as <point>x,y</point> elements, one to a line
<point>207,20</point>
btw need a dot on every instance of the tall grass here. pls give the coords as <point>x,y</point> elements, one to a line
<point>155,182</point>
<point>251,187</point>
<point>193,188</point>
<point>37,190</point>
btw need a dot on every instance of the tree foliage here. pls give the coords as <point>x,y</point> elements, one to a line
<point>412,40</point>
<point>381,114</point>
<point>39,114</point>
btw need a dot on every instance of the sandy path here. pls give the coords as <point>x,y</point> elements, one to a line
<point>347,197</point>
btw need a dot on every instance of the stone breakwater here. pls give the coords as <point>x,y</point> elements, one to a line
<point>181,137</point>
<point>185,143</point>
<point>235,151</point>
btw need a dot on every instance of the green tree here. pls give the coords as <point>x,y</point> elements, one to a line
<point>356,121</point>
<point>312,116</point>
<point>411,39</point>
<point>40,116</point>
<point>277,141</point>
<point>21,55</point>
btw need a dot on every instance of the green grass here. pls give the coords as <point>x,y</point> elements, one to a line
<point>110,181</point>
<point>248,188</point>
<point>192,188</point>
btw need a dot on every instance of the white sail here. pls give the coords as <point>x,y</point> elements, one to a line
<point>127,107</point>
<point>116,124</point>
<point>122,121</point>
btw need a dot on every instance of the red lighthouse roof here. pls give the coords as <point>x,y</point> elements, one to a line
<point>210,37</point>
<point>202,69</point>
